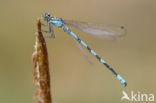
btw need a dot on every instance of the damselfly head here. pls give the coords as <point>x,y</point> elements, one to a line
<point>46,16</point>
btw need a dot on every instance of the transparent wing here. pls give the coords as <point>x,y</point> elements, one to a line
<point>102,31</point>
<point>82,50</point>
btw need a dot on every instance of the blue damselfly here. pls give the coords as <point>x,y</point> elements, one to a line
<point>101,31</point>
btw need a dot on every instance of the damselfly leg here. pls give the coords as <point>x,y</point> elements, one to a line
<point>50,30</point>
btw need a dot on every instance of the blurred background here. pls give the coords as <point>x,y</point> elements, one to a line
<point>73,78</point>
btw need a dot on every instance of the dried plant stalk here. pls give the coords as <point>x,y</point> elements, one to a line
<point>41,68</point>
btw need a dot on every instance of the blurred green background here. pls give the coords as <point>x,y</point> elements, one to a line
<point>73,78</point>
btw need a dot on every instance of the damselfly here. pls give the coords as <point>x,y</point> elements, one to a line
<point>99,30</point>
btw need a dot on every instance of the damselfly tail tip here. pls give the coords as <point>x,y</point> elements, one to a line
<point>121,80</point>
<point>125,84</point>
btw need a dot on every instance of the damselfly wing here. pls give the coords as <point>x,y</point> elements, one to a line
<point>102,31</point>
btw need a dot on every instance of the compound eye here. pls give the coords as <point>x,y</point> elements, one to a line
<point>47,14</point>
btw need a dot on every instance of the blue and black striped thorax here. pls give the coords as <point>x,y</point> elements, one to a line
<point>57,21</point>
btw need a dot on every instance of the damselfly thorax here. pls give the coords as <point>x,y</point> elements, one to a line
<point>56,21</point>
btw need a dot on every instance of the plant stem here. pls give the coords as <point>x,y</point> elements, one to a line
<point>41,68</point>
